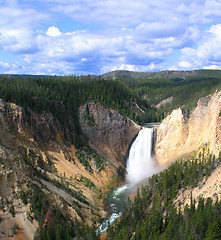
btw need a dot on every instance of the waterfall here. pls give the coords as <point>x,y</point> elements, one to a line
<point>140,164</point>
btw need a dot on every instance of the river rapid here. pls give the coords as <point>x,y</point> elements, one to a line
<point>115,200</point>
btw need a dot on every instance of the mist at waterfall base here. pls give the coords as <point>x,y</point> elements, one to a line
<point>140,166</point>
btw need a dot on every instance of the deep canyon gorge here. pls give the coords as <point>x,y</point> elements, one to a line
<point>35,152</point>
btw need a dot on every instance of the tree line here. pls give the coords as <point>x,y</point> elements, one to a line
<point>62,96</point>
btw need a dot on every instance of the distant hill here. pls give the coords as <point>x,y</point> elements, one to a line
<point>182,88</point>
<point>21,76</point>
<point>163,74</point>
<point>172,75</point>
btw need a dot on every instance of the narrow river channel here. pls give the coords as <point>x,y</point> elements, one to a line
<point>116,199</point>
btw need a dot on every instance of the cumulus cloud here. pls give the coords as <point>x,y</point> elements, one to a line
<point>16,28</point>
<point>53,32</point>
<point>94,51</point>
<point>172,27</point>
<point>107,35</point>
<point>18,41</point>
<point>117,13</point>
<point>4,65</point>
<point>208,52</point>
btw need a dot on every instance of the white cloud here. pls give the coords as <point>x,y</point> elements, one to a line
<point>122,13</point>
<point>214,67</point>
<point>128,67</point>
<point>208,52</point>
<point>94,51</point>
<point>185,64</point>
<point>201,11</point>
<point>96,36</point>
<point>4,65</point>
<point>172,27</point>
<point>17,41</point>
<point>53,32</point>
<point>16,28</point>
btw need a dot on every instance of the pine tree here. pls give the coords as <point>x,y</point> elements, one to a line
<point>213,232</point>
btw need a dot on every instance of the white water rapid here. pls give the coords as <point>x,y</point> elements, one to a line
<point>140,164</point>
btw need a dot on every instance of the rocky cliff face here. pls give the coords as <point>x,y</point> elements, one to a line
<point>34,144</point>
<point>107,131</point>
<point>177,136</point>
<point>38,127</point>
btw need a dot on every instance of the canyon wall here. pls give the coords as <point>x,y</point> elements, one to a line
<point>177,136</point>
<point>108,132</point>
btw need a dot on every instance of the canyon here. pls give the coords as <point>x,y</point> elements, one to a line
<point>30,140</point>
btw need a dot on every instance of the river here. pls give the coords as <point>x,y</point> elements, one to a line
<point>115,199</point>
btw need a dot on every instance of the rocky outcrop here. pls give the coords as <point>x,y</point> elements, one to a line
<point>177,136</point>
<point>107,131</point>
<point>208,188</point>
<point>164,102</point>
<point>41,127</point>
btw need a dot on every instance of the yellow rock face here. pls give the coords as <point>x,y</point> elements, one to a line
<point>177,136</point>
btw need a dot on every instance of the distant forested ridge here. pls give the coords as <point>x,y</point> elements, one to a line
<point>186,87</point>
<point>62,96</point>
<point>123,91</point>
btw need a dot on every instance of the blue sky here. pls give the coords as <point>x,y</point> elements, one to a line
<point>66,37</point>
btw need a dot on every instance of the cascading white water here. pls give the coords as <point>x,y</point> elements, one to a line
<point>140,164</point>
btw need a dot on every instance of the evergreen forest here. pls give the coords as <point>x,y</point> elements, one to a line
<point>154,215</point>
<point>62,97</point>
<point>185,88</point>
